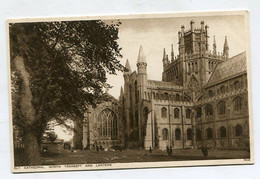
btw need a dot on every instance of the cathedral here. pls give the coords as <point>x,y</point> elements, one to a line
<point>202,100</point>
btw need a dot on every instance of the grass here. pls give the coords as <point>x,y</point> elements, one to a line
<point>126,156</point>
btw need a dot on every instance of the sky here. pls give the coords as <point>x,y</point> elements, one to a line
<point>154,34</point>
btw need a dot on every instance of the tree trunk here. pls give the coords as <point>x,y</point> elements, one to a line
<point>32,149</point>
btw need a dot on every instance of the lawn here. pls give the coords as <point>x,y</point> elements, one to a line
<point>85,156</point>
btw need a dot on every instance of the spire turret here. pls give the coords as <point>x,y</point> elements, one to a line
<point>141,56</point>
<point>141,62</point>
<point>172,53</point>
<point>226,49</point>
<point>128,68</point>
<point>214,46</point>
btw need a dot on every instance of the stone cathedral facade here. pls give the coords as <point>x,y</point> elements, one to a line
<point>202,100</point>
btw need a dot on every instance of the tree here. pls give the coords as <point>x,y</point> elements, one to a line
<point>58,69</point>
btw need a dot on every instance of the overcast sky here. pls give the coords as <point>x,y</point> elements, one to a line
<point>154,34</point>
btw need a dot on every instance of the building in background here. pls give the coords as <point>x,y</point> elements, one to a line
<point>201,100</point>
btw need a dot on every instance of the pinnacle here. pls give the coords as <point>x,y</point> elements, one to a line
<point>141,56</point>
<point>127,65</point>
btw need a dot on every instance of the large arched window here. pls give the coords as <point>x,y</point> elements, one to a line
<point>209,110</point>
<point>198,134</point>
<point>188,113</point>
<point>237,103</point>
<point>223,132</point>
<point>198,112</point>
<point>177,134</point>
<point>222,107</point>
<point>189,134</point>
<point>176,113</point>
<point>164,112</point>
<point>165,134</point>
<point>107,123</point>
<point>239,130</point>
<point>209,133</point>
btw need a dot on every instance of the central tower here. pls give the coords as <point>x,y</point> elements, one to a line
<point>195,63</point>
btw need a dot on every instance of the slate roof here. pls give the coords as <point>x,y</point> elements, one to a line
<point>228,69</point>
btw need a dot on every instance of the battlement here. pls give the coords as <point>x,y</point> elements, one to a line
<point>163,84</point>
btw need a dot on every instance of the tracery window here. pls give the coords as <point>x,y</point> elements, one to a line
<point>222,107</point>
<point>107,123</point>
<point>209,110</point>
<point>237,103</point>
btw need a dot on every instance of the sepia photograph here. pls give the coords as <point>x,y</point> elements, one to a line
<point>130,91</point>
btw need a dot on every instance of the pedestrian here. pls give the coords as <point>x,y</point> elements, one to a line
<point>150,150</point>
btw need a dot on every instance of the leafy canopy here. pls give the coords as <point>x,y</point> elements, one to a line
<point>67,64</point>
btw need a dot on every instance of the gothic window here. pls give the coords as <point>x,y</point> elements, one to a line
<point>198,134</point>
<point>189,134</point>
<point>222,89</point>
<point>177,97</point>
<point>223,132</point>
<point>164,112</point>
<point>239,130</point>
<point>210,93</point>
<point>196,66</point>
<point>236,85</point>
<point>107,123</point>
<point>198,112</point>
<point>222,107</point>
<point>189,67</point>
<point>188,113</point>
<point>176,113</point>
<point>209,110</point>
<point>165,134</point>
<point>237,104</point>
<point>209,133</point>
<point>177,134</point>
<point>209,65</point>
<point>153,95</point>
<point>166,96</point>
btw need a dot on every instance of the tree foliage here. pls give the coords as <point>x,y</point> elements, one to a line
<point>67,64</point>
